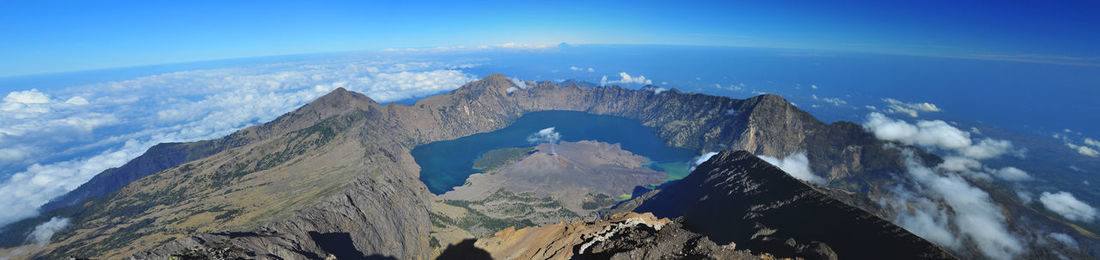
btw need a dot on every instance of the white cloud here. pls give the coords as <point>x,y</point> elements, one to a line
<point>701,159</point>
<point>43,232</point>
<point>813,86</point>
<point>925,133</point>
<point>1092,142</point>
<point>1012,174</point>
<point>911,109</point>
<point>24,192</point>
<point>72,143</point>
<point>1068,206</point>
<point>972,213</point>
<point>1080,149</point>
<point>79,101</point>
<point>1083,150</point>
<point>1064,239</point>
<point>936,134</point>
<point>625,78</point>
<point>1025,197</point>
<point>13,154</point>
<point>798,166</point>
<point>519,84</point>
<point>575,68</point>
<point>834,101</point>
<point>32,96</point>
<point>546,135</point>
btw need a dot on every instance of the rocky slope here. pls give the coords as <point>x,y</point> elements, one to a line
<point>735,197</point>
<point>621,236</point>
<point>340,168</point>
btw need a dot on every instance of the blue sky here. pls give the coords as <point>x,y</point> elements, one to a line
<point>56,36</point>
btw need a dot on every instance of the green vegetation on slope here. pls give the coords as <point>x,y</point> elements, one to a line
<point>500,157</point>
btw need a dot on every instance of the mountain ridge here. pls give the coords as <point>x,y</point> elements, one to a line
<point>333,166</point>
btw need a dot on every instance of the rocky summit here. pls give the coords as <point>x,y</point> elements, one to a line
<point>335,178</point>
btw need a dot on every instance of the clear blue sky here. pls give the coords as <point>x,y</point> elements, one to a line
<point>55,36</point>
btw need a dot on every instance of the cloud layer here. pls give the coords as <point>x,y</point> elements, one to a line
<point>943,207</point>
<point>53,141</point>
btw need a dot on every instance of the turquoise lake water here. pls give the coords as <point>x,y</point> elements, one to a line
<point>446,164</point>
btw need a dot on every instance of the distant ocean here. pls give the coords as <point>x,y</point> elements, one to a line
<point>1028,97</point>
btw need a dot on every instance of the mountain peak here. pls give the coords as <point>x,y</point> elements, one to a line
<point>494,83</point>
<point>339,99</point>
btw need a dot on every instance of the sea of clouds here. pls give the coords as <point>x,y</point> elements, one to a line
<point>52,141</point>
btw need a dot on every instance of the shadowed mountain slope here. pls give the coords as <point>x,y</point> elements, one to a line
<point>737,197</point>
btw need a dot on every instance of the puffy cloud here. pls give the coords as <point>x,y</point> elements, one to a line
<point>546,135</point>
<point>625,78</point>
<point>1012,174</point>
<point>32,96</point>
<point>925,133</point>
<point>989,148</point>
<point>43,232</point>
<point>797,165</point>
<point>1068,206</point>
<point>911,109</point>
<point>1083,150</point>
<point>936,134</point>
<point>72,142</point>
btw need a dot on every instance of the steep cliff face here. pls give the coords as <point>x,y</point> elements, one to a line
<point>739,198</point>
<point>341,165</point>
